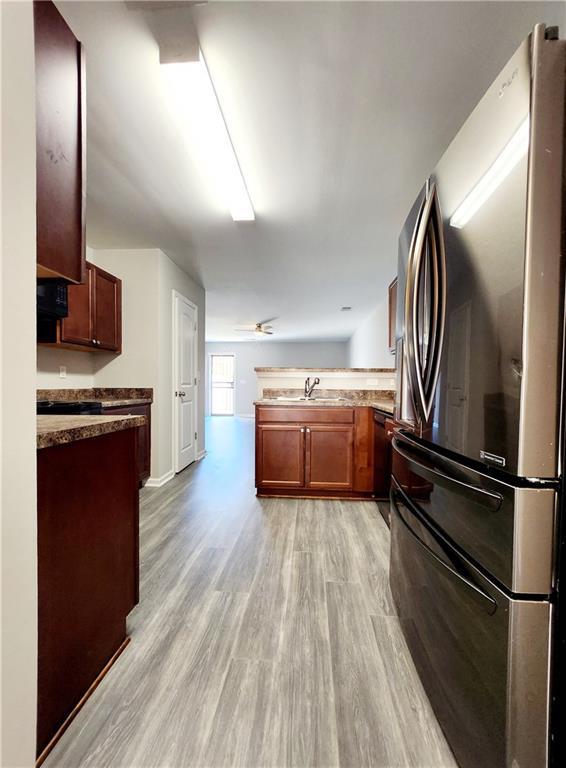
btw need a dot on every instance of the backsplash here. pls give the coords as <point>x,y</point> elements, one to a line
<point>97,393</point>
<point>350,394</point>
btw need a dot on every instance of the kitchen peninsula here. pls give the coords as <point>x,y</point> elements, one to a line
<point>319,431</point>
<point>87,522</point>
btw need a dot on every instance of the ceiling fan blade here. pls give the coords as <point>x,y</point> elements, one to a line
<point>244,330</point>
<point>265,322</point>
<point>267,333</point>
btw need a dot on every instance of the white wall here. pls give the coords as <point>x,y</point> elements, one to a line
<point>368,347</point>
<point>79,365</point>
<point>17,416</point>
<point>148,279</point>
<point>271,353</point>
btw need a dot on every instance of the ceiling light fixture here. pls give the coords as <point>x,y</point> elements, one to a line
<point>514,150</point>
<point>195,98</point>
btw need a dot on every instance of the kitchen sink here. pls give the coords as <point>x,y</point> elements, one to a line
<point>313,399</point>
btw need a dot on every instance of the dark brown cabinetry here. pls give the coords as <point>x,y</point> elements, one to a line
<point>144,434</point>
<point>87,525</point>
<point>329,457</point>
<point>60,146</point>
<point>78,326</point>
<point>314,451</point>
<point>94,322</point>
<point>280,452</point>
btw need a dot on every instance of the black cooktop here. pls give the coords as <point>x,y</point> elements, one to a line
<point>57,407</point>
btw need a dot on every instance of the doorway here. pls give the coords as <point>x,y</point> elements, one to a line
<point>185,385</point>
<point>222,385</point>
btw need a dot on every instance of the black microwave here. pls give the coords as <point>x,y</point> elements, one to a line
<point>52,299</point>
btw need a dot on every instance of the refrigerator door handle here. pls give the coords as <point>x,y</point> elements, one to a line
<point>430,232</point>
<point>411,298</point>
<point>478,495</point>
<point>489,604</point>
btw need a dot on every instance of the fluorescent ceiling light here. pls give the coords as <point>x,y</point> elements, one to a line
<point>195,99</point>
<point>514,151</point>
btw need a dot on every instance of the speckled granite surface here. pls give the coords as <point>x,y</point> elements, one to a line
<point>385,405</point>
<point>57,430</point>
<point>109,396</point>
<point>330,370</point>
<point>366,395</point>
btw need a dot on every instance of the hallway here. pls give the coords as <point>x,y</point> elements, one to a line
<point>265,635</point>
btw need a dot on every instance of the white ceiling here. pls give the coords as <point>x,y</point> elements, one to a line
<point>337,111</point>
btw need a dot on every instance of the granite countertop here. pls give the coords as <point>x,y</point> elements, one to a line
<point>110,397</point>
<point>384,405</point>
<point>109,403</point>
<point>330,370</point>
<point>57,430</point>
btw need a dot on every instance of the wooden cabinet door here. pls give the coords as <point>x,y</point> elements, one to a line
<point>144,435</point>
<point>280,455</point>
<point>329,454</point>
<point>60,146</point>
<point>107,311</point>
<point>77,327</point>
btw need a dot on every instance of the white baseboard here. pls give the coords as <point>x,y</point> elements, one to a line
<point>201,455</point>
<point>157,482</point>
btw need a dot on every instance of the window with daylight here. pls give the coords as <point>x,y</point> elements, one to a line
<point>222,385</point>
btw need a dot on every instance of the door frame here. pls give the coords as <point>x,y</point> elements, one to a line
<point>175,369</point>
<point>209,392</point>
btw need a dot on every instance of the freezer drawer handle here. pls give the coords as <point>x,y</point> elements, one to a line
<point>479,593</point>
<point>485,498</point>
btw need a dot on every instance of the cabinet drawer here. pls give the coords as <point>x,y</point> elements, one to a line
<point>304,415</point>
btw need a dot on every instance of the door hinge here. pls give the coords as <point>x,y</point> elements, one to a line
<point>196,436</point>
<point>195,381</point>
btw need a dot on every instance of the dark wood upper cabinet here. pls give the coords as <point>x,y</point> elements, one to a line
<point>60,146</point>
<point>392,304</point>
<point>78,327</point>
<point>107,310</point>
<point>94,322</point>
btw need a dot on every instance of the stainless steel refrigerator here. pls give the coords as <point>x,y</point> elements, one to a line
<point>480,365</point>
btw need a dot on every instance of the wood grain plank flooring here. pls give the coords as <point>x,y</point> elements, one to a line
<point>265,637</point>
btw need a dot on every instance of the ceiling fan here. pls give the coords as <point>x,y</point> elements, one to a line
<point>259,329</point>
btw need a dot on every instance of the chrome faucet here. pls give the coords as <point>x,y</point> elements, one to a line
<point>310,387</point>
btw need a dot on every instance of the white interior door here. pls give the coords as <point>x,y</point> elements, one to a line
<point>185,382</point>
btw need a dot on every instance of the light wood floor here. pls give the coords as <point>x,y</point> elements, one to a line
<point>265,636</point>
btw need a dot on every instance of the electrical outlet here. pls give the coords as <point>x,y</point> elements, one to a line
<point>62,371</point>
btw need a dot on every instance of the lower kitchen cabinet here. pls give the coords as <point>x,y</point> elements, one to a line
<point>280,456</point>
<point>314,451</point>
<point>329,457</point>
<point>144,435</point>
<point>88,542</point>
